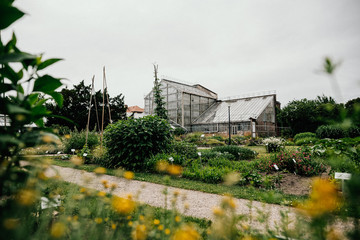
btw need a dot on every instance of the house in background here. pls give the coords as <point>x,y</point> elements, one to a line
<point>135,111</point>
<point>198,109</point>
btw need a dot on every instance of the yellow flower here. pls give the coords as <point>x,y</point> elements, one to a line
<point>76,160</point>
<point>176,193</point>
<point>231,178</point>
<point>101,194</point>
<point>98,220</point>
<point>42,176</point>
<point>161,227</point>
<point>11,223</point>
<point>229,201</point>
<point>100,170</point>
<point>162,165</point>
<point>130,223</point>
<point>67,136</point>
<point>20,117</point>
<point>218,211</point>
<point>141,218</point>
<point>128,175</point>
<point>167,231</point>
<point>156,221</point>
<point>113,186</point>
<point>82,190</point>
<point>174,169</point>
<point>128,217</point>
<point>123,206</point>
<point>186,232</point>
<point>323,198</point>
<point>139,233</point>
<point>47,139</point>
<point>57,230</point>
<point>177,219</point>
<point>113,226</point>
<point>26,197</point>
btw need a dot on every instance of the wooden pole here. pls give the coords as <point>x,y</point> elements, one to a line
<point>88,122</point>
<point>107,97</point>
<point>103,110</point>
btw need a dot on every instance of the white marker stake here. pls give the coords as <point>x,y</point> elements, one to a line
<point>342,176</point>
<point>171,159</point>
<point>294,160</point>
<point>85,154</point>
<point>276,167</point>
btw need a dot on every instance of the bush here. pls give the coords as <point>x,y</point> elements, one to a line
<point>353,132</point>
<point>189,150</point>
<point>179,131</point>
<point>213,142</point>
<point>77,140</point>
<point>131,142</point>
<point>206,174</point>
<point>273,144</point>
<point>330,131</point>
<point>211,154</point>
<point>306,141</point>
<point>304,135</point>
<point>239,153</point>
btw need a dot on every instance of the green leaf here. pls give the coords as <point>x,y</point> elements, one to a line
<point>46,84</point>
<point>48,62</point>
<point>9,73</point>
<point>58,97</point>
<point>14,109</point>
<point>32,98</point>
<point>8,15</point>
<point>15,57</point>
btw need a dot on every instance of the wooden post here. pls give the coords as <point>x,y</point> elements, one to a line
<point>103,112</point>
<point>88,122</point>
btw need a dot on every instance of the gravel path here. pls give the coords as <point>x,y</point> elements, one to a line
<point>200,204</point>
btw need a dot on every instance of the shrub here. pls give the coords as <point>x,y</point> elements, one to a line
<point>98,155</point>
<point>194,137</point>
<point>353,132</point>
<point>273,144</point>
<point>179,131</point>
<point>206,174</point>
<point>300,162</point>
<point>130,142</point>
<point>77,140</point>
<point>306,141</point>
<point>330,131</point>
<point>304,135</point>
<point>211,154</point>
<point>213,142</point>
<point>189,150</point>
<point>218,137</point>
<point>239,153</point>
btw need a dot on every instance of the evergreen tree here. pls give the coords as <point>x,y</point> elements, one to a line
<point>158,99</point>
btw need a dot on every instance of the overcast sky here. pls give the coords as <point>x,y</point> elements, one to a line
<point>232,47</point>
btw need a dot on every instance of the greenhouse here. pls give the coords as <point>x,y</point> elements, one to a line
<point>198,109</point>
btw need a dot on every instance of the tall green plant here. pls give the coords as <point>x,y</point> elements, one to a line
<point>18,107</point>
<point>159,100</point>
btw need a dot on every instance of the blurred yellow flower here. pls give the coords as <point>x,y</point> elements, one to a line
<point>11,223</point>
<point>100,170</point>
<point>76,160</point>
<point>47,139</point>
<point>113,226</point>
<point>229,201</point>
<point>176,193</point>
<point>130,223</point>
<point>174,169</point>
<point>161,227</point>
<point>167,231</point>
<point>98,220</point>
<point>128,175</point>
<point>123,206</point>
<point>323,198</point>
<point>82,190</point>
<point>156,221</point>
<point>101,194</point>
<point>42,176</point>
<point>67,136</point>
<point>218,211</point>
<point>113,186</point>
<point>20,117</point>
<point>186,232</point>
<point>139,233</point>
<point>231,178</point>
<point>26,197</point>
<point>177,219</point>
<point>162,165</point>
<point>141,218</point>
<point>57,230</point>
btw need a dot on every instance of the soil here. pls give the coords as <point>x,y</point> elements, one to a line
<point>297,185</point>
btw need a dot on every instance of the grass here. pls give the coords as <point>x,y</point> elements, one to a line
<point>250,193</point>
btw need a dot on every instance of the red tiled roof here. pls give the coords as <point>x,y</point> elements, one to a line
<point>135,109</point>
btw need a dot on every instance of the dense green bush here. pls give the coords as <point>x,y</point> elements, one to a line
<point>303,135</point>
<point>131,142</point>
<point>213,142</point>
<point>189,150</point>
<point>179,131</point>
<point>206,174</point>
<point>211,154</point>
<point>330,131</point>
<point>77,140</point>
<point>306,141</point>
<point>238,152</point>
<point>353,132</point>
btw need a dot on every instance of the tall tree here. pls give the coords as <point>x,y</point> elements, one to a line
<point>158,99</point>
<point>76,107</point>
